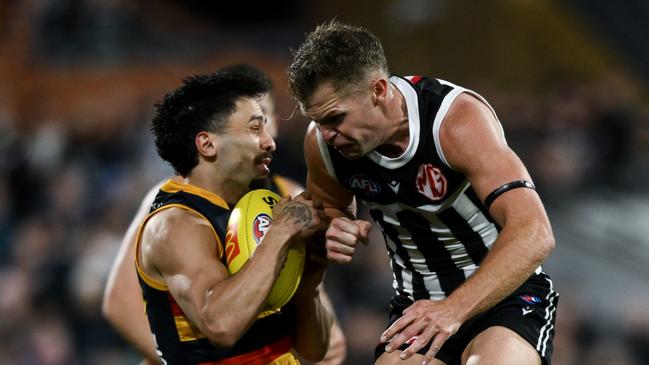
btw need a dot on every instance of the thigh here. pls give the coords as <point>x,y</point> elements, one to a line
<point>393,358</point>
<point>527,314</point>
<point>502,346</point>
<point>449,354</point>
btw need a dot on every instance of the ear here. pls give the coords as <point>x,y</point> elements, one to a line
<point>379,90</point>
<point>206,144</point>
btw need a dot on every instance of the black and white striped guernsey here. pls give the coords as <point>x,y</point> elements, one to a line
<point>436,229</point>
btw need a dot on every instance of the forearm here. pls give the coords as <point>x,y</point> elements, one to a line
<point>313,325</point>
<point>131,322</point>
<point>513,259</point>
<point>232,305</point>
<point>123,305</point>
<point>337,350</point>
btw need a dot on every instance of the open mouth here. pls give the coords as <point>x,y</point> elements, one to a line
<point>264,162</point>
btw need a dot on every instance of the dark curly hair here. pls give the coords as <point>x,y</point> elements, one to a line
<point>202,103</point>
<point>336,52</point>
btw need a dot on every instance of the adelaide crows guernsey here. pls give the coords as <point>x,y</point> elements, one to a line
<point>178,340</point>
<point>437,231</point>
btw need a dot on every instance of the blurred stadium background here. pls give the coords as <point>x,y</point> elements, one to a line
<point>78,79</point>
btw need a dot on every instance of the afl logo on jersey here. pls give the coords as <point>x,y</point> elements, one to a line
<point>260,226</point>
<point>431,182</point>
<point>361,184</point>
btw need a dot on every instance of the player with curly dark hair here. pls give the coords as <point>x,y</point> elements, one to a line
<point>213,133</point>
<point>122,301</point>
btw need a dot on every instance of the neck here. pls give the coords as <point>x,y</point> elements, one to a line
<point>399,134</point>
<point>223,185</point>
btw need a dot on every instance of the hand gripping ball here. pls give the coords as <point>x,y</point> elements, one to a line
<point>249,221</point>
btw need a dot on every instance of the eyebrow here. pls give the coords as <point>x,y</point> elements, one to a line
<point>261,118</point>
<point>331,117</point>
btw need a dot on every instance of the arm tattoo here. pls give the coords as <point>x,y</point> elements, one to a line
<point>300,212</point>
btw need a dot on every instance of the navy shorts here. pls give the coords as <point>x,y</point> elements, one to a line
<point>530,312</point>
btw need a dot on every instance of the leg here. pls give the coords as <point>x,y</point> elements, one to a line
<point>394,359</point>
<point>502,346</point>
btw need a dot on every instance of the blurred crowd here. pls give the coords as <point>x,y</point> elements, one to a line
<point>66,200</point>
<point>68,193</point>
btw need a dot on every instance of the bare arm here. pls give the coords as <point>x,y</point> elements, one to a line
<point>122,305</point>
<point>337,348</point>
<point>178,248</point>
<point>343,233</point>
<point>526,238</point>
<point>337,200</point>
<point>337,351</point>
<point>473,144</point>
<point>314,318</point>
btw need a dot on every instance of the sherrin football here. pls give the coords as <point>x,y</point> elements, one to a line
<point>247,226</point>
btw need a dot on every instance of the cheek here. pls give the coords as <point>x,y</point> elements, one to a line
<point>245,147</point>
<point>234,149</point>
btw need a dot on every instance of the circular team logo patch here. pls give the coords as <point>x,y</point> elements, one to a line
<point>260,226</point>
<point>431,182</point>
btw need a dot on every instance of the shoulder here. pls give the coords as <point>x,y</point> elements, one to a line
<point>316,154</point>
<point>311,142</point>
<point>173,222</point>
<point>468,116</point>
<point>470,128</point>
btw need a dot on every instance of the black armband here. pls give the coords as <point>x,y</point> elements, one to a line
<point>507,187</point>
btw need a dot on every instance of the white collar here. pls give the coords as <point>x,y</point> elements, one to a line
<point>412,107</point>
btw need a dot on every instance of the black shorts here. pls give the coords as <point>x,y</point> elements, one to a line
<point>530,312</point>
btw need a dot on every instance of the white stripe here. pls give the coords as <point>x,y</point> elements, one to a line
<point>456,249</point>
<point>324,151</point>
<point>406,282</point>
<point>547,333</point>
<point>478,222</point>
<point>541,344</point>
<point>443,110</point>
<point>412,104</point>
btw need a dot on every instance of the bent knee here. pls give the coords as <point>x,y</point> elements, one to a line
<point>500,345</point>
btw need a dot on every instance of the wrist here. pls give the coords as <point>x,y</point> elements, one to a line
<point>280,235</point>
<point>463,309</point>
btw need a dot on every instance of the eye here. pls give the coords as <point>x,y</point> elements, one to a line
<point>333,120</point>
<point>339,118</point>
<point>256,127</point>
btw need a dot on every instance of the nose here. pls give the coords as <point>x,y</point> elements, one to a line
<point>267,142</point>
<point>328,133</point>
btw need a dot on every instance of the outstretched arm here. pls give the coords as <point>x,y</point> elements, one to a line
<point>472,142</point>
<point>122,305</point>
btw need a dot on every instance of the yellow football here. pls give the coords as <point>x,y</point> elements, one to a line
<point>247,225</point>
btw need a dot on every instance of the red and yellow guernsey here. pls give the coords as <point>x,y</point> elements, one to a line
<point>178,341</point>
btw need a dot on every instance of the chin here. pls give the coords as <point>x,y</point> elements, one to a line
<point>262,172</point>
<point>353,156</point>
